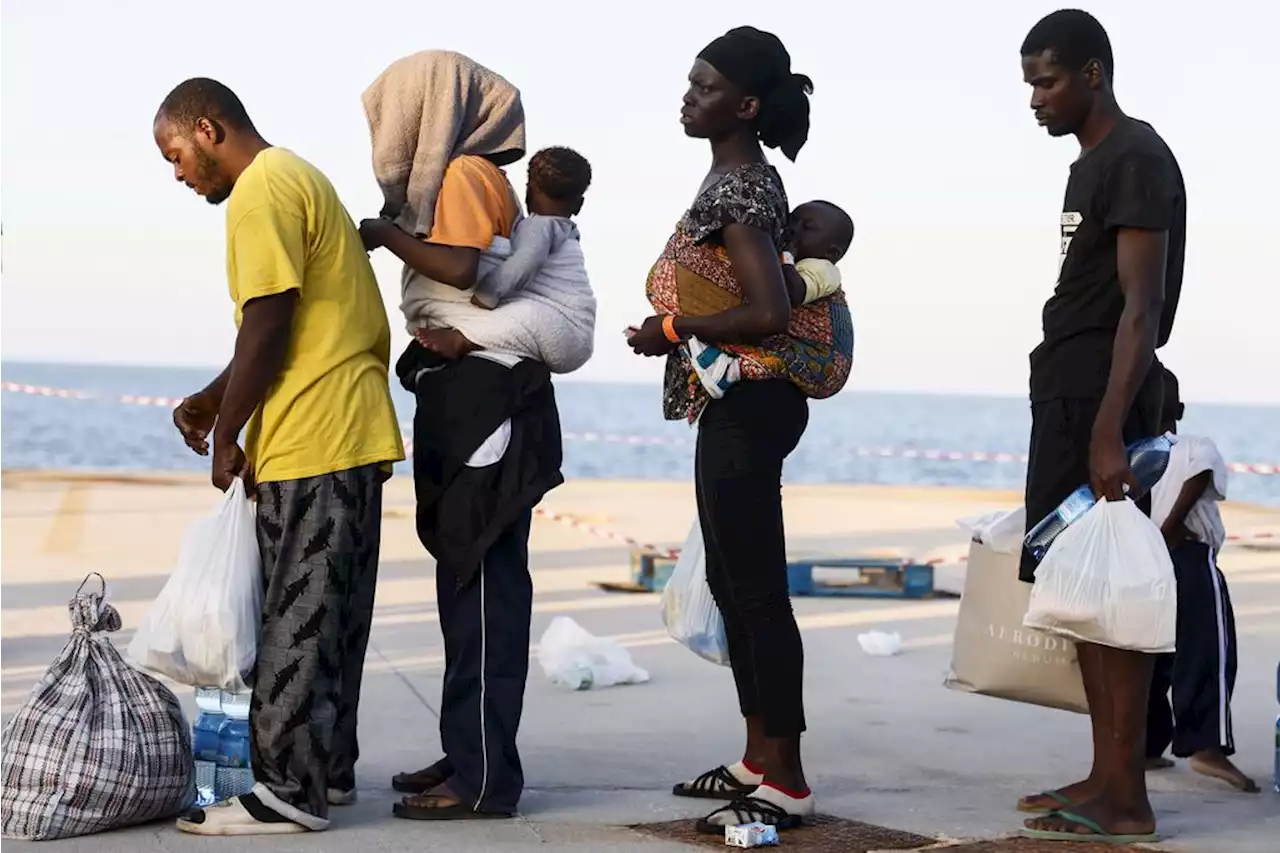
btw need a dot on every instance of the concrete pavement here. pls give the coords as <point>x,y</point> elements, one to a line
<point>887,744</point>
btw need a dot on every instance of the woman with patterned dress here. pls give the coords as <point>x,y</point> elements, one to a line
<point>720,280</point>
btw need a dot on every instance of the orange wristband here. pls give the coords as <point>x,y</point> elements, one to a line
<point>669,328</point>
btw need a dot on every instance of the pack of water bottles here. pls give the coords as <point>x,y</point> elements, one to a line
<point>1104,574</point>
<point>220,742</point>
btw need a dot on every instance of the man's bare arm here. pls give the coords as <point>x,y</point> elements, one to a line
<point>217,389</point>
<point>261,347</point>
<point>1140,259</point>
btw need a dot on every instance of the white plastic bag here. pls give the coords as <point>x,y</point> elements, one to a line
<point>689,612</point>
<point>576,658</point>
<point>1001,531</point>
<point>203,628</point>
<point>1108,579</point>
<point>881,644</point>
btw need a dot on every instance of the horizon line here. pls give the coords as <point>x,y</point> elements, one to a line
<point>567,378</point>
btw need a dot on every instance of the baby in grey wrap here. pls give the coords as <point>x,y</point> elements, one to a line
<point>558,180</point>
<point>424,111</point>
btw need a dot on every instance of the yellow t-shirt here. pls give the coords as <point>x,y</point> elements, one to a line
<point>330,409</point>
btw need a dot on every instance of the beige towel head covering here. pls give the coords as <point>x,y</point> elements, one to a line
<point>427,109</point>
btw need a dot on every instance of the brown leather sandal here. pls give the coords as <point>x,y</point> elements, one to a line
<point>424,780</point>
<point>440,806</point>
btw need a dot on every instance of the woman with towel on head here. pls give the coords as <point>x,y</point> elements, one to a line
<point>720,280</point>
<point>442,128</point>
<point>486,432</point>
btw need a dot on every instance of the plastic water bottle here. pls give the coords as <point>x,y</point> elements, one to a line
<point>1147,459</point>
<point>235,777</point>
<point>204,735</point>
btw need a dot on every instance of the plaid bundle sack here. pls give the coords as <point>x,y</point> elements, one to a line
<point>98,745</point>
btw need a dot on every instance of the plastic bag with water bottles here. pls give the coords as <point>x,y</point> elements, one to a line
<point>1108,579</point>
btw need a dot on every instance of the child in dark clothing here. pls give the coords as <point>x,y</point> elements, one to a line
<point>1202,672</point>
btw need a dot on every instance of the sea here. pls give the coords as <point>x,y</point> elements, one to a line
<point>614,431</point>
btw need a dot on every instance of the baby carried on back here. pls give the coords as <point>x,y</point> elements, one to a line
<point>532,298</point>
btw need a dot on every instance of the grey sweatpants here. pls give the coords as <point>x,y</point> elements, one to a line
<point>319,539</point>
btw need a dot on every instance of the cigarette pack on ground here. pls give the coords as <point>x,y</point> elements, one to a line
<point>751,835</point>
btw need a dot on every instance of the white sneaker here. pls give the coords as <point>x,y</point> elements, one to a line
<point>230,817</point>
<point>338,797</point>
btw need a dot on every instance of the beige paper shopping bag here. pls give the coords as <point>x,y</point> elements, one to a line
<point>994,655</point>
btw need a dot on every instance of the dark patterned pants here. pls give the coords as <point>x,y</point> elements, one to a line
<point>319,539</point>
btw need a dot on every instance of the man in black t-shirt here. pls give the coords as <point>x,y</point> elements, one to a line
<point>1095,382</point>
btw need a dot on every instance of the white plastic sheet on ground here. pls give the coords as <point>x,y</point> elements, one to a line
<point>202,630</point>
<point>1108,579</point>
<point>575,658</point>
<point>689,612</point>
<point>881,644</point>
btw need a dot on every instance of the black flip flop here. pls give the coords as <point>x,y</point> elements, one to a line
<point>437,774</point>
<point>717,784</point>
<point>457,811</point>
<point>750,810</point>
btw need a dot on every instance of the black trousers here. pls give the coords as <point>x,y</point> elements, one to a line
<point>485,623</point>
<point>743,439</point>
<point>1202,672</point>
<point>1058,459</point>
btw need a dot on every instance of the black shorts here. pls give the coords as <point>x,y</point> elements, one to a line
<point>1058,462</point>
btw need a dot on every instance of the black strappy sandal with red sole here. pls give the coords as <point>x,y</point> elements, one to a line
<point>718,784</point>
<point>750,810</point>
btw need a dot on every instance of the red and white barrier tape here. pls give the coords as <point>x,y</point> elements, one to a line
<point>1265,537</point>
<point>605,533</point>
<point>69,394</point>
<point>1261,468</point>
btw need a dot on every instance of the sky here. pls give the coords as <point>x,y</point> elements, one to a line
<point>921,129</point>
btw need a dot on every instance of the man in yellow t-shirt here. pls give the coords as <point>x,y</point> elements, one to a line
<point>309,378</point>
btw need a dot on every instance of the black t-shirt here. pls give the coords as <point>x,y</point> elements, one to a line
<point>1128,180</point>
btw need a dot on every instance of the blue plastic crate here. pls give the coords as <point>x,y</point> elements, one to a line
<point>651,571</point>
<point>836,576</point>
<point>860,576</point>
